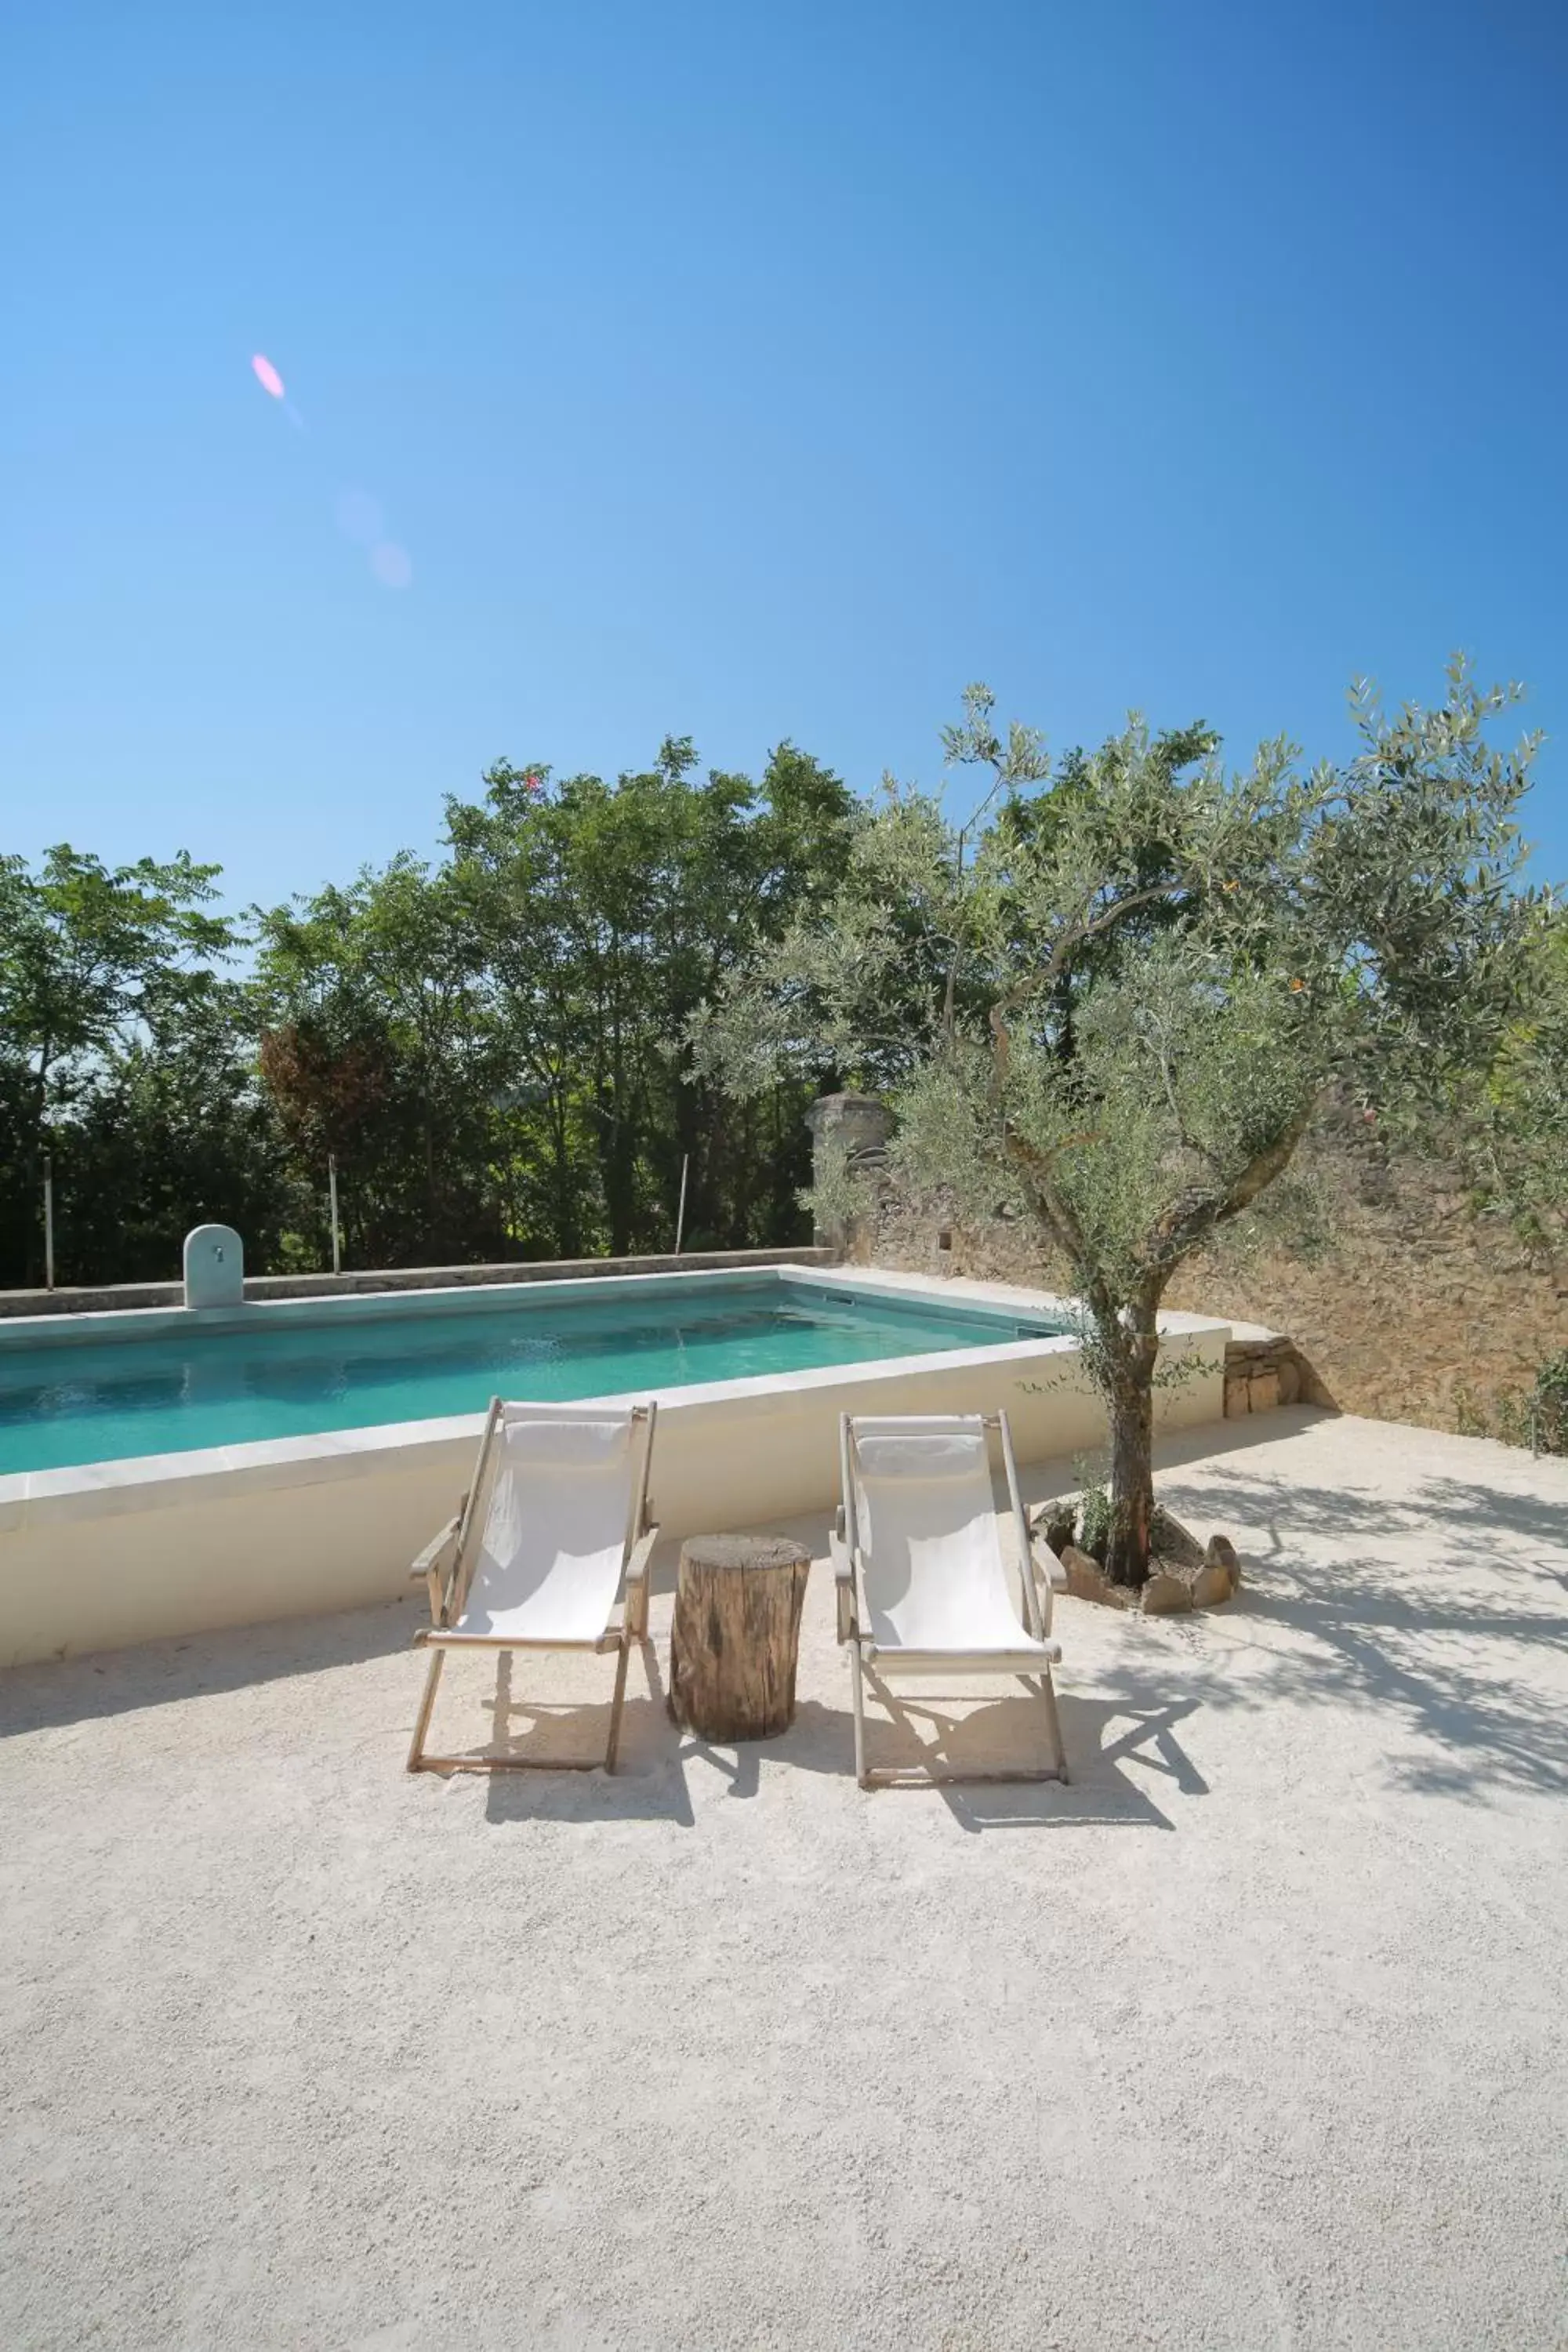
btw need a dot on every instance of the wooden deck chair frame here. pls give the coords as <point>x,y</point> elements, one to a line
<point>848,1567</point>
<point>446,1566</point>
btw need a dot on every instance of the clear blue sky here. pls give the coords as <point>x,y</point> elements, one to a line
<point>751,372</point>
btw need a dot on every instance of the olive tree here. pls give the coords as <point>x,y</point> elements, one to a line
<point>1116,999</point>
<point>1511,1139</point>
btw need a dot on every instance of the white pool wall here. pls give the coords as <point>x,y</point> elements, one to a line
<point>117,1552</point>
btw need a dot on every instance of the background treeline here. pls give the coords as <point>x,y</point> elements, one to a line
<point>493,1046</point>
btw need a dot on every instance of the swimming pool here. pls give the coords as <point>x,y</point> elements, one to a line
<point>268,1372</point>
<point>152,1504</point>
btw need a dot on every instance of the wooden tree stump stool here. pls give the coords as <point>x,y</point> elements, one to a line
<point>735,1635</point>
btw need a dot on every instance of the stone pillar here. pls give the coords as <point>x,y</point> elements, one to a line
<point>849,1137</point>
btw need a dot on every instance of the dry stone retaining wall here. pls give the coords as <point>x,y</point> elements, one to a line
<point>1416,1310</point>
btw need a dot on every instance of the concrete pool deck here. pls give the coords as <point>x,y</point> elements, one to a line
<point>1254,2036</point>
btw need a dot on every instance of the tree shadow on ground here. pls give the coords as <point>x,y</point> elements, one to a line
<point>1448,1510</point>
<point>1468,1676</point>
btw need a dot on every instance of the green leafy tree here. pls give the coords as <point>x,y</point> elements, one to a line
<point>1509,1131</point>
<point>493,1046</point>
<point>92,958</point>
<point>378,1045</point>
<point>175,1130</point>
<point>610,911</point>
<point>1116,1001</point>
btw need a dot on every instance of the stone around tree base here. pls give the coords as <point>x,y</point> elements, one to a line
<point>1198,1579</point>
<point>1170,1541</point>
<point>1183,1574</point>
<point>1087,1580</point>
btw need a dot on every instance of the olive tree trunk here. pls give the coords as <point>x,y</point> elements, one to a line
<point>1130,1352</point>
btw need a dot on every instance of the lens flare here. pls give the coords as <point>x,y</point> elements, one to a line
<point>391,564</point>
<point>360,517</point>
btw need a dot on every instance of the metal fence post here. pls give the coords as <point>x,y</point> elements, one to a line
<point>681,1213</point>
<point>332,1192</point>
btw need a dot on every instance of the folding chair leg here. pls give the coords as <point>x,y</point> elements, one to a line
<point>859,1699</point>
<point>618,1702</point>
<point>422,1720</point>
<point>1049,1693</point>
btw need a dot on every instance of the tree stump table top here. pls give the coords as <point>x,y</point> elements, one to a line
<point>735,1635</point>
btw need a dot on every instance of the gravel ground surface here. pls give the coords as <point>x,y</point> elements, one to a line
<point>1254,2036</point>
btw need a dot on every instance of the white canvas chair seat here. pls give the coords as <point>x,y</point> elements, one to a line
<point>547,1565</point>
<point>553,1531</point>
<point>924,1584</point>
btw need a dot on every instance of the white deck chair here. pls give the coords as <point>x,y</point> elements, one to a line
<point>923,1585</point>
<point>548,1551</point>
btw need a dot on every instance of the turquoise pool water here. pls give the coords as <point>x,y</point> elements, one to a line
<point>62,1403</point>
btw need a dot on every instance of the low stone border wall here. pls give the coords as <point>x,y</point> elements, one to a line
<point>1264,1372</point>
<point>125,1294</point>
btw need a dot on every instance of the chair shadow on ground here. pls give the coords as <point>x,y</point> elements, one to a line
<point>1121,1751</point>
<point>1441,1609</point>
<point>649,1782</point>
